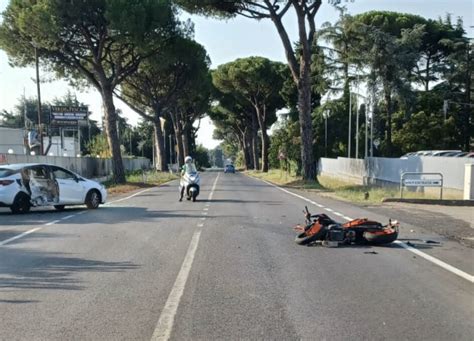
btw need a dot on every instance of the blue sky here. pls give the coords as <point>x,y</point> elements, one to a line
<point>224,42</point>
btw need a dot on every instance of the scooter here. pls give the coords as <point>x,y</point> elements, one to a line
<point>319,228</point>
<point>191,182</point>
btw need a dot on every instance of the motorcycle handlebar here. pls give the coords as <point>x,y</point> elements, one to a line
<point>306,212</point>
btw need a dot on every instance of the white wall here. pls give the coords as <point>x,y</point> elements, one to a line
<point>389,170</point>
<point>11,139</point>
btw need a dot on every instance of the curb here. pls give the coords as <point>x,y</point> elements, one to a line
<point>432,201</point>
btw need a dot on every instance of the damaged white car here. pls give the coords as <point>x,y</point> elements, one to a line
<point>25,185</point>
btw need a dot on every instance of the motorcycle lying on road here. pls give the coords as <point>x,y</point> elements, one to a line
<point>320,228</point>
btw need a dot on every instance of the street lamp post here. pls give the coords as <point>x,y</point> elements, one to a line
<point>326,116</point>
<point>350,121</point>
<point>39,99</point>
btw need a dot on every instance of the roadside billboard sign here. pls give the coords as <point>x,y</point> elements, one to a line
<point>68,116</point>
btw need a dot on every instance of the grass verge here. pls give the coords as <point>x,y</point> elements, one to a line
<point>137,180</point>
<point>337,188</point>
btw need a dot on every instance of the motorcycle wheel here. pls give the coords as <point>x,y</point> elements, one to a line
<point>379,239</point>
<point>302,239</point>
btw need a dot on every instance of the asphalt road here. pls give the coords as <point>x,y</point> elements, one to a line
<point>226,267</point>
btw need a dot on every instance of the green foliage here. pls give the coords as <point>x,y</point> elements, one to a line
<point>256,80</point>
<point>99,147</point>
<point>424,132</point>
<point>201,157</point>
<point>286,140</point>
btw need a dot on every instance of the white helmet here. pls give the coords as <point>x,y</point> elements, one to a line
<point>188,159</point>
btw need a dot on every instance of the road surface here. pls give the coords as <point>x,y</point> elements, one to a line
<point>147,267</point>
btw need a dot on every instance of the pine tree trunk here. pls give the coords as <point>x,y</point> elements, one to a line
<point>248,148</point>
<point>306,127</point>
<point>256,163</point>
<point>388,125</point>
<point>179,143</point>
<point>160,163</point>
<point>186,142</point>
<point>112,136</point>
<point>263,129</point>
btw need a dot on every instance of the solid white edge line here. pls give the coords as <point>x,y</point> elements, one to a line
<point>68,217</point>
<point>426,256</point>
<point>129,197</point>
<point>165,323</point>
<point>19,236</point>
<point>436,261</point>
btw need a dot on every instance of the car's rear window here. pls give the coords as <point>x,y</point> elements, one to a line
<point>4,172</point>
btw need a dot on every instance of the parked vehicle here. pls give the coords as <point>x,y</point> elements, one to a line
<point>23,186</point>
<point>229,169</point>
<point>321,228</point>
<point>455,154</point>
<point>445,152</point>
<point>432,153</point>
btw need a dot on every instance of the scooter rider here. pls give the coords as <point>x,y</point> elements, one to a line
<point>187,167</point>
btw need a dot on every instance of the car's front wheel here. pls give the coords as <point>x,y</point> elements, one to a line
<point>21,204</point>
<point>93,199</point>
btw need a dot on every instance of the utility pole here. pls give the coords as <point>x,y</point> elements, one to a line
<point>39,100</point>
<point>357,119</point>
<point>366,129</point>
<point>350,119</point>
<point>468,94</point>
<point>24,109</point>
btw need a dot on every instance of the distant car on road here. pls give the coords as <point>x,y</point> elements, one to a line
<point>25,185</point>
<point>229,169</point>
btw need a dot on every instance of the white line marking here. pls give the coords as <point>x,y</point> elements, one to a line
<point>19,236</point>
<point>165,323</point>
<point>426,256</point>
<point>200,225</point>
<point>68,217</point>
<point>213,187</point>
<point>204,213</point>
<point>329,209</point>
<point>436,261</point>
<point>206,209</point>
<point>52,222</point>
<point>203,218</point>
<point>339,214</point>
<point>129,197</point>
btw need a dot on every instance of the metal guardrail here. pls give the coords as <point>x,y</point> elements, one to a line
<point>438,182</point>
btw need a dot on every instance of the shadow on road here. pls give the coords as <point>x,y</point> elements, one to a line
<point>104,215</point>
<point>22,269</point>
